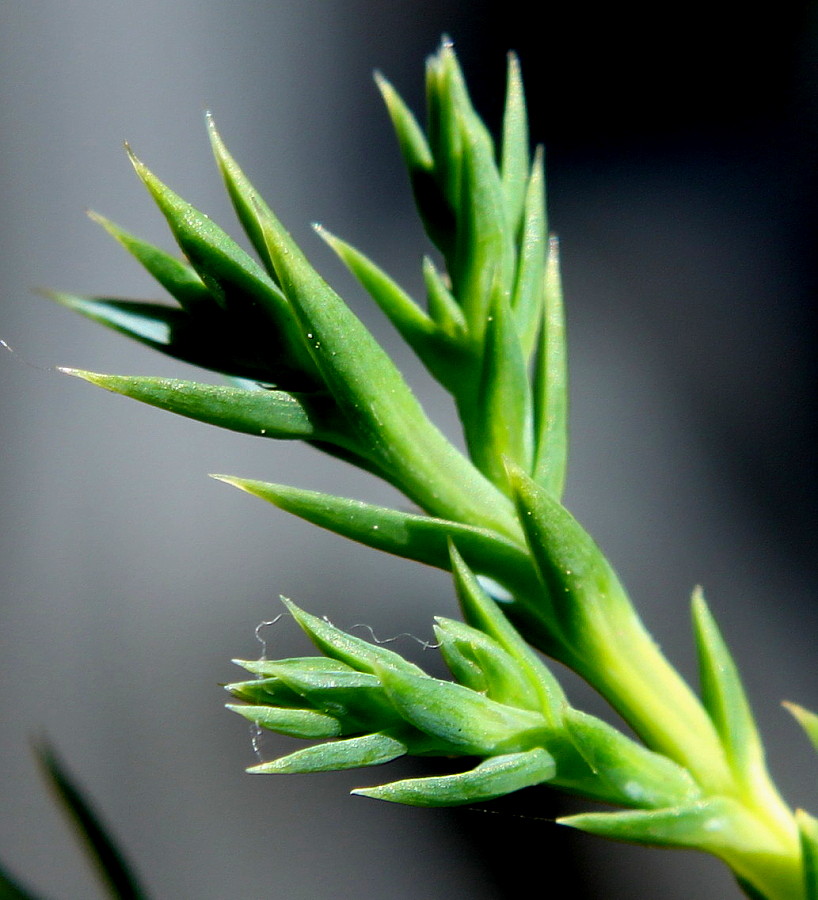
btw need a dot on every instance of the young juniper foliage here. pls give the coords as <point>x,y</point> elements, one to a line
<point>300,365</point>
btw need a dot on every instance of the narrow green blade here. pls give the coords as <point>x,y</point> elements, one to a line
<point>725,700</point>
<point>178,278</point>
<point>333,756</point>
<point>115,873</point>
<point>551,386</point>
<point>502,429</point>
<point>494,777</point>
<point>353,651</point>
<point>300,723</point>
<point>527,298</point>
<point>267,413</point>
<point>408,535</point>
<point>515,159</point>
<point>12,890</point>
<point>442,357</point>
<point>239,284</point>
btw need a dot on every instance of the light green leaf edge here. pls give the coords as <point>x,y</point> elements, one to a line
<point>806,719</point>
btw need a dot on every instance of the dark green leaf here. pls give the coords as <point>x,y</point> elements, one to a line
<point>115,873</point>
<point>266,413</point>
<point>178,278</point>
<point>12,890</point>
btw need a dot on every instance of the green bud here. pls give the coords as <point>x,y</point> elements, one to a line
<point>480,663</point>
<point>471,723</point>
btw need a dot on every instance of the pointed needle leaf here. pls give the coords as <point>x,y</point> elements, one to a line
<point>367,750</point>
<point>408,535</point>
<point>178,278</point>
<point>274,414</point>
<point>514,162</point>
<point>551,386</point>
<point>726,702</point>
<point>807,720</point>
<point>493,777</point>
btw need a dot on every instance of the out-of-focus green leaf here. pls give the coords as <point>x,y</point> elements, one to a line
<point>113,870</point>
<point>351,753</point>
<point>12,890</point>
<point>493,777</point>
<point>635,775</point>
<point>808,831</point>
<point>807,720</point>
<point>408,535</point>
<point>551,386</point>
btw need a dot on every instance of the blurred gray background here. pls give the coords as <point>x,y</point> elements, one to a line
<point>682,150</point>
